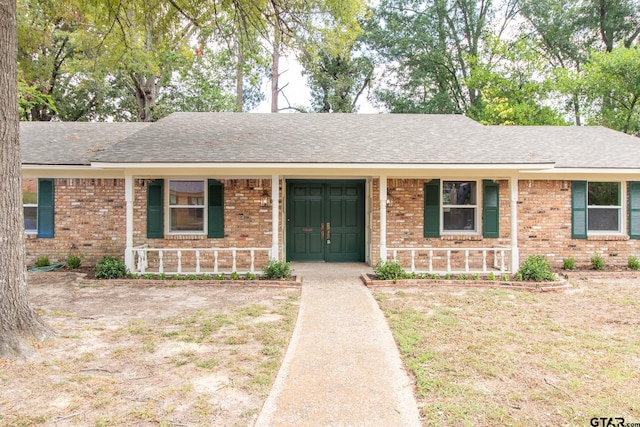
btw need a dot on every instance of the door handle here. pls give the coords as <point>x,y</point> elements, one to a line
<point>322,231</point>
<point>328,231</point>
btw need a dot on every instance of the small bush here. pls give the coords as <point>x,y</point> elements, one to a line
<point>491,276</point>
<point>475,276</point>
<point>73,262</point>
<point>597,262</point>
<point>110,268</point>
<point>536,268</point>
<point>447,276</point>
<point>633,263</point>
<point>462,277</point>
<point>43,261</point>
<point>250,276</point>
<point>569,263</point>
<point>389,270</point>
<point>505,277</point>
<point>235,275</point>
<point>277,270</point>
<point>192,277</point>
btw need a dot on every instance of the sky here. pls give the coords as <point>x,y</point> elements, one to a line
<point>297,90</point>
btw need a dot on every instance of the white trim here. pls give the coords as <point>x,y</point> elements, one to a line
<point>285,166</point>
<point>383,217</point>
<point>128,197</point>
<point>167,209</point>
<point>275,225</point>
<point>477,229</point>
<point>622,209</point>
<point>513,206</point>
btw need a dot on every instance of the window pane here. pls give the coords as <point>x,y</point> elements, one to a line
<point>459,219</point>
<point>459,193</point>
<point>186,193</point>
<point>187,219</point>
<point>31,218</point>
<point>604,219</point>
<point>29,191</point>
<point>604,194</point>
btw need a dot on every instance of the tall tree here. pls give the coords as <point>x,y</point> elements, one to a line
<point>612,79</point>
<point>18,320</point>
<point>337,80</point>
<point>431,48</point>
<point>47,42</point>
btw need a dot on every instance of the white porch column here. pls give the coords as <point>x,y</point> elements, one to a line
<point>275,215</point>
<point>383,218</point>
<point>128,197</point>
<point>515,252</point>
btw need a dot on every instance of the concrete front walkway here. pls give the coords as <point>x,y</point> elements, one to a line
<point>342,367</point>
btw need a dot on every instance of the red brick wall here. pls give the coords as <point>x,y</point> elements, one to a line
<point>544,218</point>
<point>405,219</point>
<point>246,225</point>
<point>89,221</point>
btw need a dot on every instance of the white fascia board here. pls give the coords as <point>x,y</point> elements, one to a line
<point>581,173</point>
<point>285,166</point>
<point>69,171</point>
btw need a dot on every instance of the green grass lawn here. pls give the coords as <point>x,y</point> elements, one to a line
<point>505,357</point>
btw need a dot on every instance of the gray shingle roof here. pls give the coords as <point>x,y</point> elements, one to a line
<point>575,147</point>
<point>316,138</point>
<point>325,138</point>
<point>70,143</point>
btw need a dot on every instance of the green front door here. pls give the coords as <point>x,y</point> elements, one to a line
<point>325,221</point>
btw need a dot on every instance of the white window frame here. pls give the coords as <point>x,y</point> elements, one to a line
<point>169,206</point>
<point>31,205</point>
<point>621,208</point>
<point>477,207</point>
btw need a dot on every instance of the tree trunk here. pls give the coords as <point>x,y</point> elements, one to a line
<point>275,70</point>
<point>240,77</point>
<point>18,321</point>
<point>145,90</point>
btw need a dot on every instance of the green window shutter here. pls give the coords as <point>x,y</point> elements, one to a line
<point>579,209</point>
<point>432,208</point>
<point>45,208</point>
<point>634,210</point>
<point>491,209</point>
<point>215,212</point>
<point>155,209</point>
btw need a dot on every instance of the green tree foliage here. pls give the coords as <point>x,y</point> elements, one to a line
<point>337,80</point>
<point>512,91</point>
<point>612,79</point>
<point>430,49</point>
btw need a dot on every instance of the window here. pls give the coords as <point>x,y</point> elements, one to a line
<point>459,206</point>
<point>186,206</point>
<point>193,206</point>
<point>596,208</point>
<point>604,208</point>
<point>454,204</point>
<point>30,205</point>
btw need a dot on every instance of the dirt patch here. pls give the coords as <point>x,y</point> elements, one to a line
<point>165,354</point>
<point>499,357</point>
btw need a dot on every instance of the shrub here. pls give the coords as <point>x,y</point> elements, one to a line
<point>536,268</point>
<point>569,263</point>
<point>235,275</point>
<point>42,261</point>
<point>633,263</point>
<point>250,276</point>
<point>389,270</point>
<point>277,270</point>
<point>475,276</point>
<point>110,268</point>
<point>192,276</point>
<point>73,262</point>
<point>491,276</point>
<point>462,277</point>
<point>597,262</point>
<point>447,276</point>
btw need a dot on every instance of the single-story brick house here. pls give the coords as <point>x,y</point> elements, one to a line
<point>226,191</point>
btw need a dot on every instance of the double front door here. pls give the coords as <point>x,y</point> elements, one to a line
<point>325,221</point>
